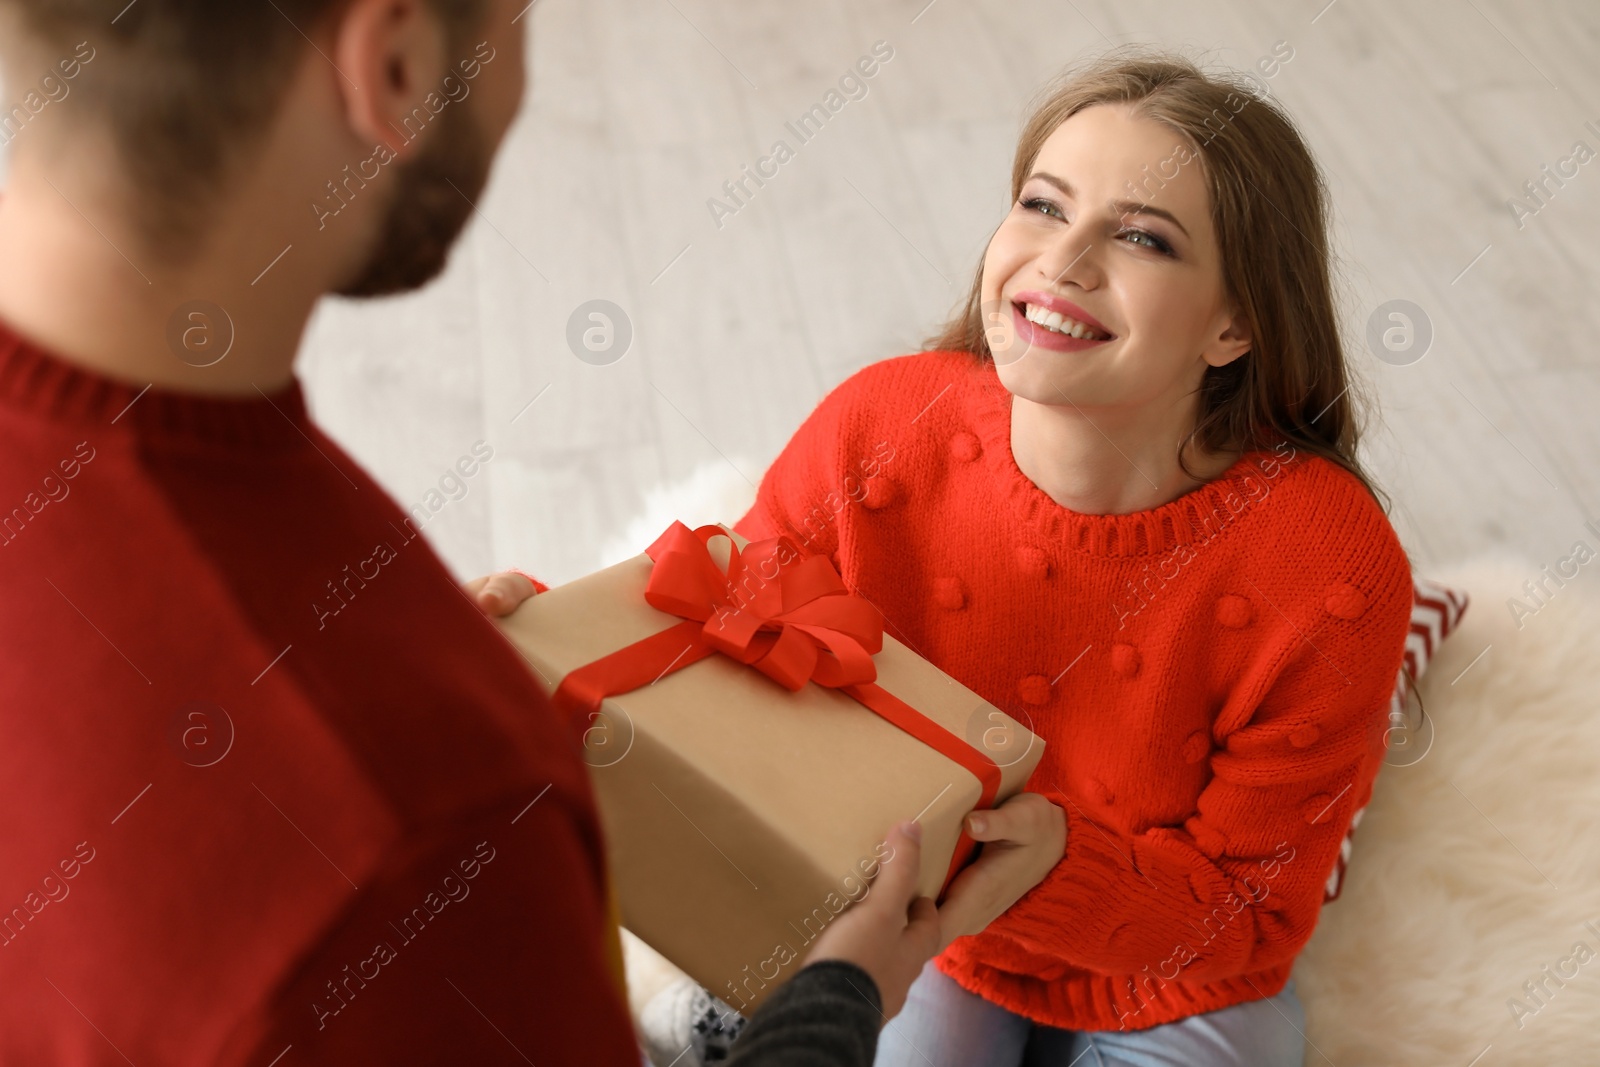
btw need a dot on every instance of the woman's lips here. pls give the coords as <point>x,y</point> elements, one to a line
<point>1037,336</point>
<point>1060,305</point>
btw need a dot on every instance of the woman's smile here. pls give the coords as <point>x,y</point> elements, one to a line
<point>1043,320</point>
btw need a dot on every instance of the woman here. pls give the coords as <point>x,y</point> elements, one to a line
<point>1122,502</point>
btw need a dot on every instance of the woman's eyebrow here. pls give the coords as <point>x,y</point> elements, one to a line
<point>1127,207</point>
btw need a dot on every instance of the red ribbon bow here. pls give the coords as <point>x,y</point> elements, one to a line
<point>787,615</point>
<point>790,617</point>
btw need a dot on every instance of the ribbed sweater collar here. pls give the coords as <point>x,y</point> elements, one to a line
<point>34,381</point>
<point>1192,518</point>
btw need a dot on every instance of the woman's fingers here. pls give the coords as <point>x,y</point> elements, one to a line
<point>1025,818</point>
<point>1027,837</point>
<point>500,594</point>
<point>974,897</point>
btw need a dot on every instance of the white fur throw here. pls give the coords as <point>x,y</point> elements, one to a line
<point>1478,867</point>
<point>715,492</point>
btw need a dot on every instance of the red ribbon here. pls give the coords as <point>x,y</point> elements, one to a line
<point>787,615</point>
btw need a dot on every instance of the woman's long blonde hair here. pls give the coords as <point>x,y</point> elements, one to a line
<point>1269,205</point>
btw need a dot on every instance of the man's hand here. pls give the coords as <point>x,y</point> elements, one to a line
<point>891,932</point>
<point>1024,839</point>
<point>500,594</point>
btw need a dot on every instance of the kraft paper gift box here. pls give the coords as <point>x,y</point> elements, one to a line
<point>744,788</point>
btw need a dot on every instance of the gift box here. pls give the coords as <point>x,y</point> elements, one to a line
<point>752,735</point>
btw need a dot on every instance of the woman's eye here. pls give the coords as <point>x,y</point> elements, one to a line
<point>1156,243</point>
<point>1043,206</point>
<point>1144,238</point>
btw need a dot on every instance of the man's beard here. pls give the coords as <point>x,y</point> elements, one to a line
<point>433,199</point>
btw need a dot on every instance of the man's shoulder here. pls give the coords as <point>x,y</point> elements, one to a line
<point>316,615</point>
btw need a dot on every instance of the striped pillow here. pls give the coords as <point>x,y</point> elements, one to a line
<point>1436,611</point>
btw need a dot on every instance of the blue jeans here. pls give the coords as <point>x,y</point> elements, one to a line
<point>943,1025</point>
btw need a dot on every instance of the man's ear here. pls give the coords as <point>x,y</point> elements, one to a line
<point>389,55</point>
<point>1234,341</point>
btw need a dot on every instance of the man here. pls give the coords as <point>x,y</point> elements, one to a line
<point>277,792</point>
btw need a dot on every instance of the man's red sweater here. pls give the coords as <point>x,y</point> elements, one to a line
<point>1211,678</point>
<point>273,786</point>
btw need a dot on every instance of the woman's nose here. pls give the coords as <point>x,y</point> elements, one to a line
<point>1071,256</point>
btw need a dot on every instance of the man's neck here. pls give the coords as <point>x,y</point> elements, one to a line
<point>76,280</point>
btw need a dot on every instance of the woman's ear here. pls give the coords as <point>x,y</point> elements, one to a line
<point>1234,341</point>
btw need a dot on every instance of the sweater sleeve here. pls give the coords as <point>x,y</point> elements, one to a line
<point>827,1015</point>
<point>1238,886</point>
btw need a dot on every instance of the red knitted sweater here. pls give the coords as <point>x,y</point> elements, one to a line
<point>1211,677</point>
<point>326,804</point>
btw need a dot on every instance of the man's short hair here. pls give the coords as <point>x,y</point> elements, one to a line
<point>188,87</point>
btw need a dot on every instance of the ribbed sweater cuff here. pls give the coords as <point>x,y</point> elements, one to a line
<point>1075,891</point>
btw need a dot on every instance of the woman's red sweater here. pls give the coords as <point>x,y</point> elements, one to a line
<point>1211,677</point>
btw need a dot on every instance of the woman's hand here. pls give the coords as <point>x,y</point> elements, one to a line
<point>499,594</point>
<point>1024,839</point>
<point>891,932</point>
